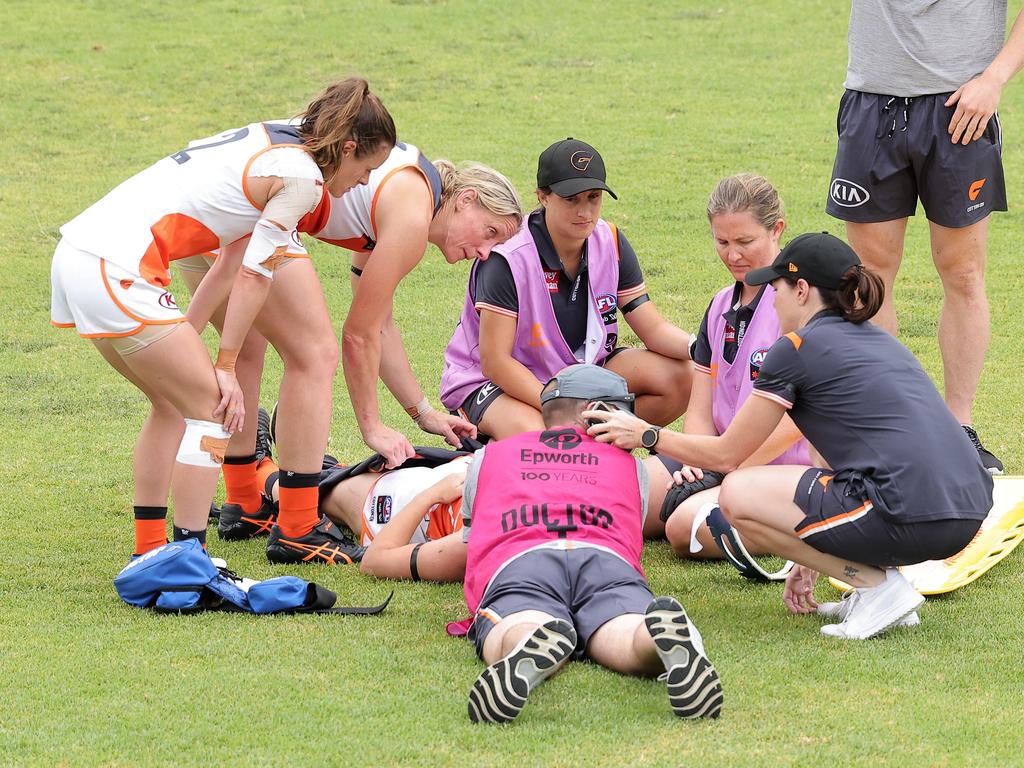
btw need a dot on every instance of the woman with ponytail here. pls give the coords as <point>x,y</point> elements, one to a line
<point>903,483</point>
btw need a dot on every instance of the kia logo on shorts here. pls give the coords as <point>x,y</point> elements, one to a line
<point>847,193</point>
<point>167,301</point>
<point>564,439</point>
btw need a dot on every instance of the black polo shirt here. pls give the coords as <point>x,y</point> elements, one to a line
<point>496,288</point>
<point>864,402</point>
<point>737,320</point>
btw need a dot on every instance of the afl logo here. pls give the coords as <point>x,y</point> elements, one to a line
<point>848,194</point>
<point>167,301</point>
<point>606,302</point>
<point>756,361</point>
<point>580,160</point>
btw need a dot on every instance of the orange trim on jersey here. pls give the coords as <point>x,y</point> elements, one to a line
<point>385,180</point>
<point>248,165</point>
<point>316,220</point>
<point>496,310</point>
<point>359,245</point>
<point>637,289</point>
<point>175,236</point>
<point>836,520</point>
<point>615,237</point>
<point>123,308</point>
<point>701,368</point>
<point>770,396</point>
<point>797,341</point>
<point>61,325</point>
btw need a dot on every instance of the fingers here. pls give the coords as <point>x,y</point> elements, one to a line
<point>450,437</point>
<point>953,99</point>
<point>958,124</point>
<point>691,474</point>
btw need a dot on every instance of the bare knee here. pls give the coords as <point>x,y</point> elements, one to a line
<point>732,500</point>
<point>317,358</point>
<point>964,280</point>
<point>677,530</point>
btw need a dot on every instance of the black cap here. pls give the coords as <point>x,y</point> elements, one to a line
<point>589,382</point>
<point>817,257</point>
<point>571,166</point>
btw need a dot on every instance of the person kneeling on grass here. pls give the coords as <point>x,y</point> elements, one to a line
<point>553,523</point>
<point>865,404</point>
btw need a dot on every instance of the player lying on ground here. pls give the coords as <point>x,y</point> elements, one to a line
<point>866,405</point>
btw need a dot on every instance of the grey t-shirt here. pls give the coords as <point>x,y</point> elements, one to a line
<point>864,402</point>
<point>918,47</point>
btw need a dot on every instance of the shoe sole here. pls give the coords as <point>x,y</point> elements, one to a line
<point>500,692</point>
<point>694,688</point>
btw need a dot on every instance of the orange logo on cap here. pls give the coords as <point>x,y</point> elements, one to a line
<point>792,267</point>
<point>580,160</point>
<point>975,189</point>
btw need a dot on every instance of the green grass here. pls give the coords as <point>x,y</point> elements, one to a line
<point>675,95</point>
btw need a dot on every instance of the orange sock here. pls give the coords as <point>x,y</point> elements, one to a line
<point>241,482</point>
<point>299,497</point>
<point>150,528</point>
<point>264,470</point>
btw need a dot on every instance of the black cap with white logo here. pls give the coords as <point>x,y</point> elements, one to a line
<point>571,166</point>
<point>817,257</point>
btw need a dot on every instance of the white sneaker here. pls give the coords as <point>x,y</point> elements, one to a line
<point>841,609</point>
<point>876,609</point>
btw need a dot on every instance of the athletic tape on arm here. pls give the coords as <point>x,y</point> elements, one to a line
<point>273,233</point>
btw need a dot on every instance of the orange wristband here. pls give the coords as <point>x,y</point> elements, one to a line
<point>226,360</point>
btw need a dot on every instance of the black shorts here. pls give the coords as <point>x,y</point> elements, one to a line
<point>585,586</point>
<point>847,525</point>
<point>893,151</point>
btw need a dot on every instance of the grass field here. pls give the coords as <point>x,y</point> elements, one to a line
<point>675,95</point>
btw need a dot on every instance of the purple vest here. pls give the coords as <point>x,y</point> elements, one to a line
<point>539,487</point>
<point>732,383</point>
<point>539,344</point>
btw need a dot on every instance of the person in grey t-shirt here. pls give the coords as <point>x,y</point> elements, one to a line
<point>918,120</point>
<point>903,483</point>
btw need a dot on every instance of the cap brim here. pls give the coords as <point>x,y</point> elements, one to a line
<point>761,276</point>
<point>571,187</point>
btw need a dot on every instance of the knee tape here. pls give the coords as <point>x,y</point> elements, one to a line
<point>203,444</point>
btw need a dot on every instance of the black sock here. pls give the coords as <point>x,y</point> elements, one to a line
<point>181,534</point>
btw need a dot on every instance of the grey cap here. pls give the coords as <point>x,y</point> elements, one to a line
<point>589,382</point>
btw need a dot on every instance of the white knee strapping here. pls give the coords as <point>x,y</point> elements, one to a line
<point>203,444</point>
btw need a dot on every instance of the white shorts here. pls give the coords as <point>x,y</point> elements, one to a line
<point>102,300</point>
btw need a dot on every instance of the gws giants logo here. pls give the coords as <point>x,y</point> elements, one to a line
<point>847,193</point>
<point>975,189</point>
<point>581,160</point>
<point>756,361</point>
<point>563,439</point>
<point>167,301</point>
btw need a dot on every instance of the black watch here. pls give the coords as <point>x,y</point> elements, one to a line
<point>649,438</point>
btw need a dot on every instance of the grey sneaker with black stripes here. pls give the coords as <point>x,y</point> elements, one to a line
<point>500,692</point>
<point>694,690</point>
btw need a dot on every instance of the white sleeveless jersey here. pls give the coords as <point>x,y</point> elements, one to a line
<point>350,220</point>
<point>190,203</point>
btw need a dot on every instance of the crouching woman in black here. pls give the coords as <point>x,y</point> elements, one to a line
<point>903,482</point>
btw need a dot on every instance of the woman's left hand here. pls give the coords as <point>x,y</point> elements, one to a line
<point>451,428</point>
<point>620,428</point>
<point>798,594</point>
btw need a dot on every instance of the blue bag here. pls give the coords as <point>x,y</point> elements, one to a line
<point>180,577</point>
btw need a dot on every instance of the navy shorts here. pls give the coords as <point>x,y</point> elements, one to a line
<point>585,586</point>
<point>894,150</point>
<point>846,524</point>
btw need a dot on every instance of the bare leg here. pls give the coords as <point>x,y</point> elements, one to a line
<point>880,247</point>
<point>959,256</point>
<point>344,504</point>
<point>507,416</point>
<point>624,645</point>
<point>759,502</point>
<point>661,384</point>
<point>680,525</point>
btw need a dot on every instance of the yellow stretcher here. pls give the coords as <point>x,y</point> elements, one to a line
<point>1000,532</point>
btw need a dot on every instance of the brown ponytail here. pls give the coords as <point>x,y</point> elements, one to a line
<point>858,297</point>
<point>346,110</point>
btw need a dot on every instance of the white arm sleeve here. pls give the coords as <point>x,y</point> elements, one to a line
<point>275,229</point>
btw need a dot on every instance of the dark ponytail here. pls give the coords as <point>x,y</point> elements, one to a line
<point>858,297</point>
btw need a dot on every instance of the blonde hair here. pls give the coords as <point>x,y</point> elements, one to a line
<point>747,193</point>
<point>493,191</point>
<point>346,110</point>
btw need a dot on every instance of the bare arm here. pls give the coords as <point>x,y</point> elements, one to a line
<point>497,339</point>
<point>216,284</point>
<point>978,99</point>
<point>781,438</point>
<point>657,334</point>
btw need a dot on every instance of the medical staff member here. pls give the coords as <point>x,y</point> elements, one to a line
<point>243,191</point>
<point>550,297</point>
<point>866,405</point>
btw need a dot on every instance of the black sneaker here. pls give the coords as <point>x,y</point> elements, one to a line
<point>499,693</point>
<point>272,426</point>
<point>988,460</point>
<point>264,441</point>
<point>324,544</point>
<point>694,689</point>
<point>214,512</point>
<point>236,524</point>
